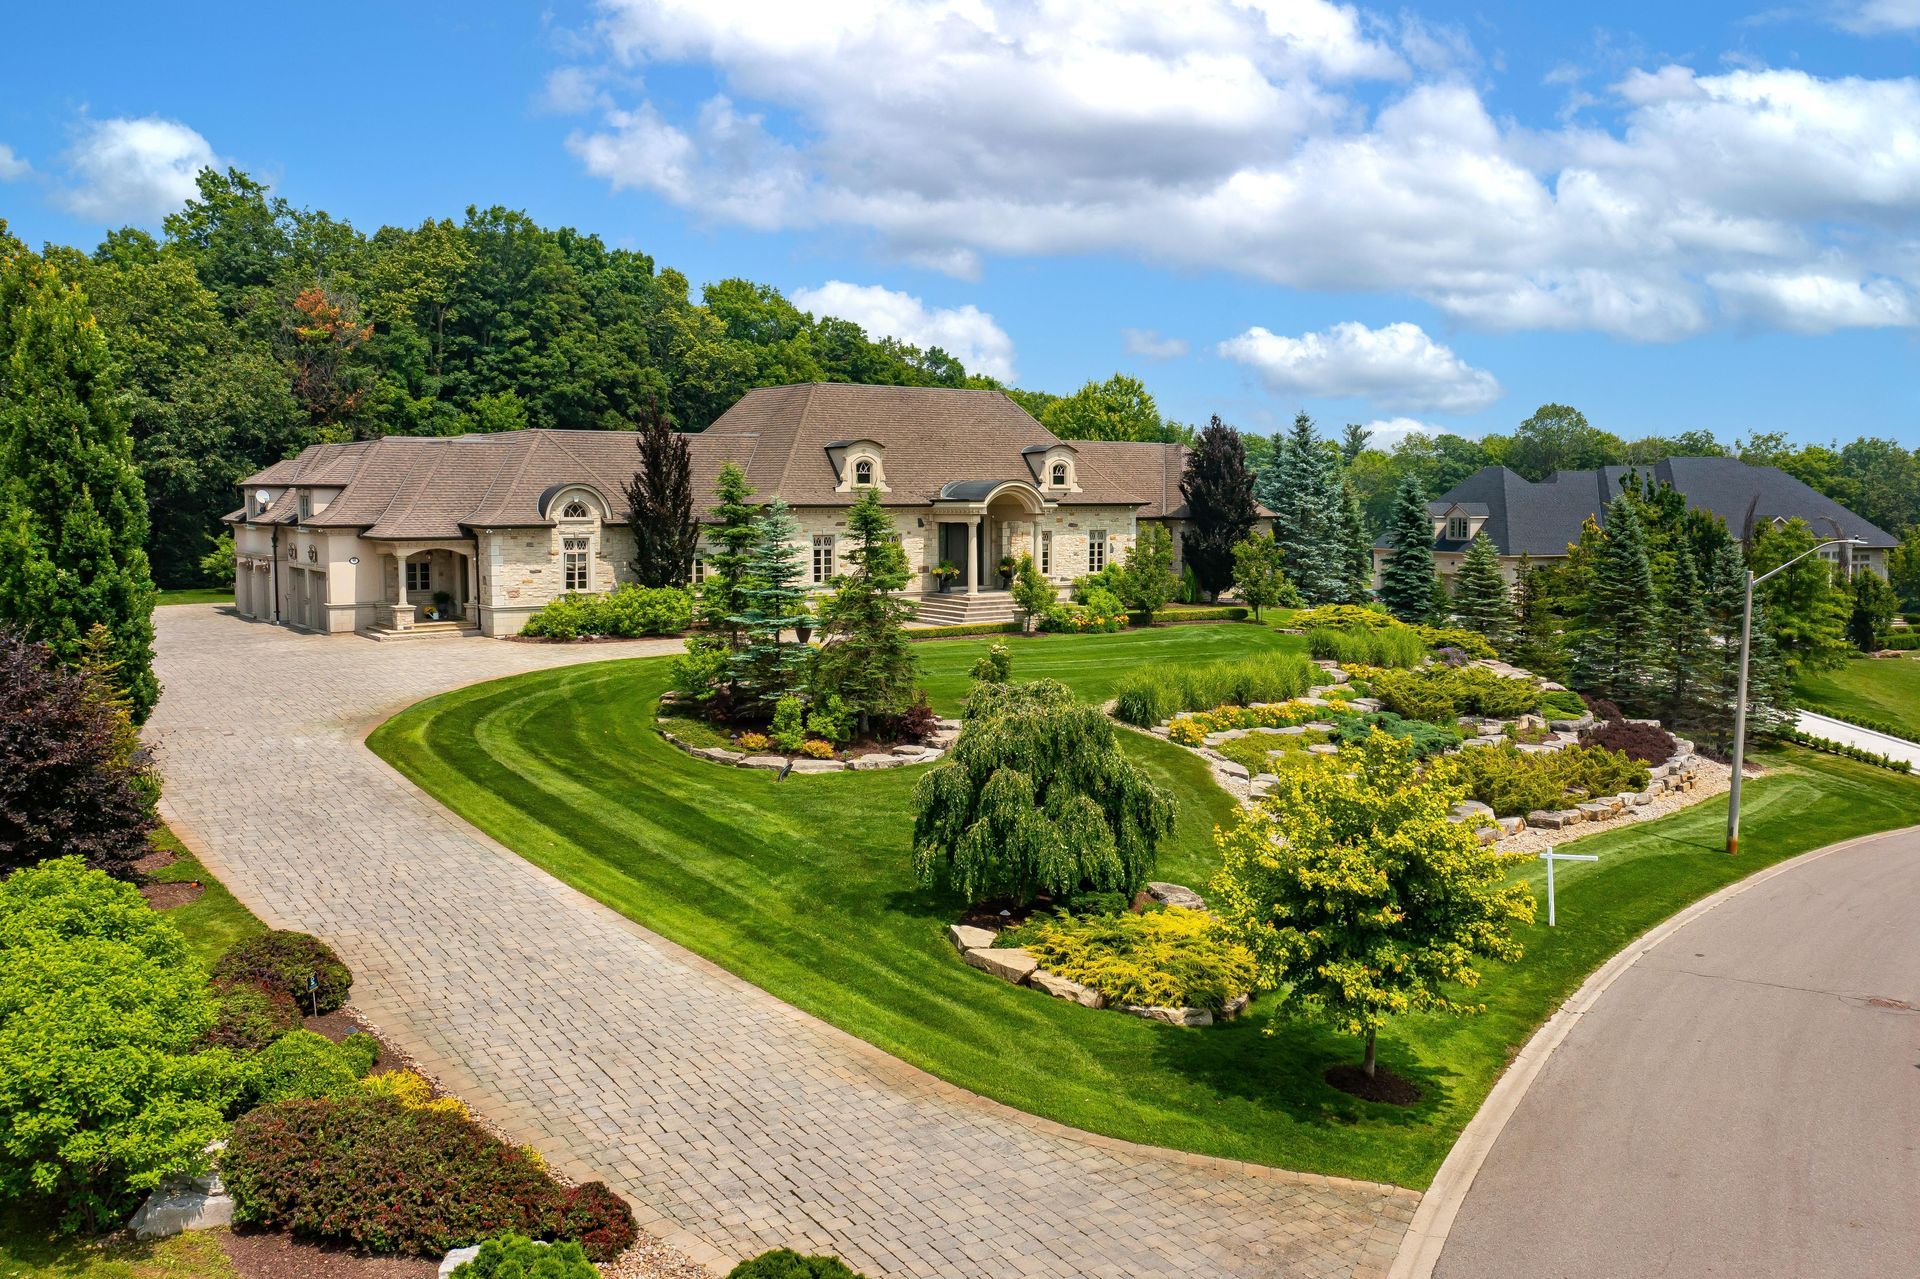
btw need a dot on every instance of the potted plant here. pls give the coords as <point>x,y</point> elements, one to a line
<point>442,602</point>
<point>943,574</point>
<point>1006,571</point>
<point>803,621</point>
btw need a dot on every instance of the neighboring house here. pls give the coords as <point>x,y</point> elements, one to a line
<point>1541,520</point>
<point>481,530</point>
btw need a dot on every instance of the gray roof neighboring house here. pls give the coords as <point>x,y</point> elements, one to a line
<point>1544,518</point>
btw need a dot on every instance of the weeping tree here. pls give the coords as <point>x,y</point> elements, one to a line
<point>1035,798</point>
<point>660,505</point>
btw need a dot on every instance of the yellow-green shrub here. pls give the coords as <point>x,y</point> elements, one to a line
<point>1165,959</point>
<point>411,1089</point>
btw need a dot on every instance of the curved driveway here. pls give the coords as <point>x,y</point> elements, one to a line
<point>732,1121</point>
<point>1743,1100</point>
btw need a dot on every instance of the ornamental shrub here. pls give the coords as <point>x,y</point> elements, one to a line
<point>249,1017</point>
<point>1431,695</point>
<point>1561,703</point>
<point>512,1256</point>
<point>370,1173</point>
<point>411,1089</point>
<point>1107,579</point>
<point>1392,645</point>
<point>830,720</point>
<point>701,671</point>
<point>1647,743</point>
<point>1170,958</point>
<point>1036,796</point>
<point>788,733</point>
<point>286,961</point>
<point>302,1064</point>
<point>1514,782</point>
<point>1472,643</point>
<point>1147,695</point>
<point>784,1263</point>
<point>1423,738</point>
<point>627,612</point>
<point>105,1088</point>
<point>816,748</point>
<point>752,741</point>
<point>995,666</point>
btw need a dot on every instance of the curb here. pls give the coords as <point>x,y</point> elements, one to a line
<point>1426,1236</point>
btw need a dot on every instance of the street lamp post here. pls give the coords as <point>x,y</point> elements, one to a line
<point>1740,699</point>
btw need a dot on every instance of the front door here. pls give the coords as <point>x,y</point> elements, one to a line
<point>953,548</point>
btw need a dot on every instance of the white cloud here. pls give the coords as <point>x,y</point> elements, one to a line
<point>1397,367</point>
<point>1813,303</point>
<point>1301,142</point>
<point>1875,17</point>
<point>967,333</point>
<point>12,166</point>
<point>1149,345</point>
<point>1385,432</point>
<point>126,170</point>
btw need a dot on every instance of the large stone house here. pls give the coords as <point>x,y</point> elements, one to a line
<point>407,534</point>
<point>1541,520</point>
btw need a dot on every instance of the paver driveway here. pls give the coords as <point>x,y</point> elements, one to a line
<point>732,1121</point>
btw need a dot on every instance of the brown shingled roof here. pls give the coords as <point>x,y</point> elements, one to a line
<point>437,487</point>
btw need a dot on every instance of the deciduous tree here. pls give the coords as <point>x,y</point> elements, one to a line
<point>1146,578</point>
<point>1808,611</point>
<point>1259,575</point>
<point>1218,489</point>
<point>660,505</point>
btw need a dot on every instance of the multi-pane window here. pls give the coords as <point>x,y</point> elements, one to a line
<point>822,557</point>
<point>1457,528</point>
<point>575,563</point>
<point>574,511</point>
<point>1059,475</point>
<point>863,472</point>
<point>1046,552</point>
<point>306,506</point>
<point>699,571</point>
<point>417,575</point>
<point>1096,550</point>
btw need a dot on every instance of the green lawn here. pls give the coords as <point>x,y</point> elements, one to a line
<point>1872,688</point>
<point>803,888</point>
<point>196,595</point>
<point>214,920</point>
<point>31,1250</point>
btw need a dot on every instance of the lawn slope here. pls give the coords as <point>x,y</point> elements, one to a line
<point>1886,689</point>
<point>803,888</point>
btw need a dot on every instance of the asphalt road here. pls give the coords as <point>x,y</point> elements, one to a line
<point>1743,1101</point>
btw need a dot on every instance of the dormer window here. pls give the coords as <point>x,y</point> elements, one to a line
<point>574,511</point>
<point>306,505</point>
<point>1457,528</point>
<point>1059,475</point>
<point>863,472</point>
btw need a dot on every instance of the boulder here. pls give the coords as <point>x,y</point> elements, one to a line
<point>1596,810</point>
<point>1546,820</point>
<point>911,750</point>
<point>1172,1016</point>
<point>1366,705</point>
<point>1323,748</point>
<point>764,761</point>
<point>1262,784</point>
<point>1334,673</point>
<point>818,766</point>
<point>1644,798</point>
<point>1235,1006</point>
<point>1231,769</point>
<point>1510,825</point>
<point>1472,808</point>
<point>1175,895</point>
<point>1063,988</point>
<point>864,762</point>
<point>1318,726</point>
<point>966,937</point>
<point>1013,964</point>
<point>185,1203</point>
<point>720,754</point>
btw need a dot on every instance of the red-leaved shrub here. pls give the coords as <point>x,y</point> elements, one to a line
<point>1647,743</point>
<point>367,1171</point>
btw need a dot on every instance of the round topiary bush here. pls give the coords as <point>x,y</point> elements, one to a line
<point>285,961</point>
<point>598,1218</point>
<point>303,1064</point>
<point>518,1257</point>
<point>785,1263</point>
<point>251,1017</point>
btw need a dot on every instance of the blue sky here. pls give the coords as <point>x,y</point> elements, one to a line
<point>1671,216</point>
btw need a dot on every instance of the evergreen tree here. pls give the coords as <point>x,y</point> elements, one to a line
<point>1537,646</point>
<point>1685,639</point>
<point>1218,489</point>
<point>771,600</point>
<point>1480,593</point>
<point>660,505</point>
<point>1874,605</point>
<point>1614,652</point>
<point>1406,581</point>
<point>73,513</point>
<point>1304,493</point>
<point>1769,684</point>
<point>735,533</point>
<point>864,658</point>
<point>1146,579</point>
<point>1439,602</point>
<point>1356,545</point>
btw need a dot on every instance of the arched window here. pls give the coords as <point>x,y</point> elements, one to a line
<point>863,472</point>
<point>574,511</point>
<point>1059,475</point>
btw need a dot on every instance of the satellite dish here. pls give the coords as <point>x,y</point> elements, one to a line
<point>262,496</point>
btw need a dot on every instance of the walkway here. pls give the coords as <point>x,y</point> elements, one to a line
<point>1739,1101</point>
<point>732,1121</point>
<point>1838,730</point>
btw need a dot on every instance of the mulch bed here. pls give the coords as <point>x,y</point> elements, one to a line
<point>267,1255</point>
<point>158,859</point>
<point>340,1023</point>
<point>167,896</point>
<point>1385,1086</point>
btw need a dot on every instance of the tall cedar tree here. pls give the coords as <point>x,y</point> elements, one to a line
<point>1614,654</point>
<point>73,514</point>
<point>68,781</point>
<point>1480,593</point>
<point>771,599</point>
<point>1769,683</point>
<point>864,657</point>
<point>660,505</point>
<point>735,533</point>
<point>1685,699</point>
<point>1218,489</point>
<point>1406,581</point>
<point>1874,605</point>
<point>1439,602</point>
<point>1537,645</point>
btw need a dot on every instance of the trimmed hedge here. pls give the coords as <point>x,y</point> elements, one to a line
<point>785,1263</point>
<point>969,628</point>
<point>1211,613</point>
<point>1831,747</point>
<point>285,961</point>
<point>368,1172</point>
<point>627,612</point>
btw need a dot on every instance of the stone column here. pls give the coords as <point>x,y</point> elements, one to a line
<point>972,577</point>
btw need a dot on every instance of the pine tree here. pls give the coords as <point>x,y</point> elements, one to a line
<point>1874,605</point>
<point>1356,545</point>
<point>769,666</point>
<point>73,512</point>
<point>1304,493</point>
<point>864,657</point>
<point>1684,638</point>
<point>1614,652</point>
<point>1769,683</point>
<point>1480,593</point>
<point>734,536</point>
<point>1439,602</point>
<point>1406,582</point>
<point>1537,645</point>
<point>1218,489</point>
<point>660,505</point>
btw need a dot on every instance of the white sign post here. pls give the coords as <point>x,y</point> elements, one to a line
<point>1550,857</point>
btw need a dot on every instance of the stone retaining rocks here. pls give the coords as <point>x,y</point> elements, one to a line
<point>185,1203</point>
<point>1172,1016</point>
<point>898,757</point>
<point>1063,988</point>
<point>966,937</point>
<point>1175,895</point>
<point>1012,964</point>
